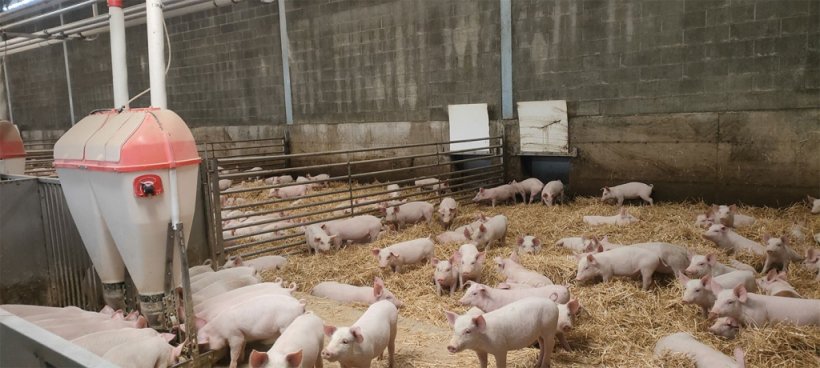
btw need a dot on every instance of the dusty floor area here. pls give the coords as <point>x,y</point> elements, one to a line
<point>620,323</point>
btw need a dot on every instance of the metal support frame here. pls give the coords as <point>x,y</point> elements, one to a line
<point>68,79</point>
<point>506,60</point>
<point>8,90</point>
<point>284,43</point>
<point>176,239</point>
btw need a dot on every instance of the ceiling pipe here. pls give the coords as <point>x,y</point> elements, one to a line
<point>17,13</point>
<point>88,27</point>
<point>119,65</point>
<point>48,15</point>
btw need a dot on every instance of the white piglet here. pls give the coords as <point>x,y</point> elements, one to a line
<point>552,191</point>
<point>518,274</point>
<point>529,188</point>
<point>492,231</point>
<point>528,244</point>
<point>703,355</point>
<point>731,241</point>
<point>445,275</point>
<point>470,263</point>
<point>300,346</point>
<point>779,253</point>
<point>404,253</point>
<point>758,310</point>
<point>512,327</point>
<point>366,339</point>
<point>355,294</point>
<point>408,213</point>
<point>621,219</point>
<point>631,190</point>
<point>447,210</point>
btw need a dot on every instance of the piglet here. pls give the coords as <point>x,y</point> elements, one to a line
<point>292,191</point>
<point>516,273</point>
<point>699,291</point>
<point>815,204</point>
<point>576,244</point>
<point>357,345</point>
<point>447,210</point>
<point>552,191</point>
<point>776,284</point>
<point>489,299</point>
<point>222,286</point>
<point>758,310</point>
<point>256,319</point>
<point>300,346</point>
<point>622,218</point>
<point>529,188</point>
<point>205,267</point>
<point>514,326</point>
<point>727,327</point>
<point>624,261</point>
<point>394,189</point>
<point>631,190</point>
<point>593,244</point>
<point>501,193</point>
<point>357,229</point>
<point>729,240</point>
<point>470,262</point>
<point>674,258</point>
<point>566,321</point>
<point>445,275</point>
<point>779,253</point>
<point>492,231</point>
<point>703,355</point>
<point>432,184</point>
<point>812,262</point>
<point>317,239</point>
<point>355,294</point>
<point>727,215</point>
<point>528,244</point>
<point>706,219</point>
<point>266,263</point>
<point>708,265</point>
<point>208,309</point>
<point>321,179</point>
<point>225,184</point>
<point>408,213</point>
<point>221,275</point>
<point>408,252</point>
<point>149,352</point>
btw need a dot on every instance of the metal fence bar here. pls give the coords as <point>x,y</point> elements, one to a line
<point>464,169</point>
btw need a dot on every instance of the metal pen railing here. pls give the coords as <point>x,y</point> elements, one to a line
<point>245,219</point>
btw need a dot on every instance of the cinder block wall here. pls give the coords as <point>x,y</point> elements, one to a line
<point>710,98</point>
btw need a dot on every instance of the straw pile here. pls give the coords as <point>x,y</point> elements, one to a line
<point>620,323</point>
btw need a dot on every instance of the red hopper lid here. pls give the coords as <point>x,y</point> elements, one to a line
<point>11,145</point>
<point>132,140</point>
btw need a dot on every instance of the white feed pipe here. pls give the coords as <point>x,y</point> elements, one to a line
<point>156,52</point>
<point>119,65</point>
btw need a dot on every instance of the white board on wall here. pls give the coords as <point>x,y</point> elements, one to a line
<point>469,121</point>
<point>543,126</point>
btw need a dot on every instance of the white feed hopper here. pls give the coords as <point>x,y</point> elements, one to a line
<point>12,153</point>
<point>115,169</point>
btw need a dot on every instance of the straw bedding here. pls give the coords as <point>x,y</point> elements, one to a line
<point>620,323</point>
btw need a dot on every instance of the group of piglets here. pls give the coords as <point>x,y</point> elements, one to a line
<point>731,296</point>
<point>528,189</point>
<point>121,339</point>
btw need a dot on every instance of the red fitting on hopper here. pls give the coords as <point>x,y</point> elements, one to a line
<point>115,3</point>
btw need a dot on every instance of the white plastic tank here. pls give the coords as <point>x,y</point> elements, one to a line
<point>115,171</point>
<point>12,153</point>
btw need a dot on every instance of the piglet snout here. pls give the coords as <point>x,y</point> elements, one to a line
<point>451,349</point>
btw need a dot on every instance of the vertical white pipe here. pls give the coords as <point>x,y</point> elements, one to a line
<point>8,90</point>
<point>156,52</point>
<point>68,79</point>
<point>119,65</point>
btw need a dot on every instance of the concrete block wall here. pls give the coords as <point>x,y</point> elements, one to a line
<point>667,80</point>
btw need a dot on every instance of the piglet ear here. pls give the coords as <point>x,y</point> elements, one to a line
<point>329,330</point>
<point>375,252</point>
<point>733,208</point>
<point>481,257</point>
<point>740,293</point>
<point>520,240</point>
<point>682,278</point>
<point>711,259</point>
<point>479,322</point>
<point>536,242</point>
<point>574,306</point>
<point>451,317</point>
<point>714,286</point>
<point>258,359</point>
<point>591,259</point>
<point>356,331</point>
<point>706,280</point>
<point>740,358</point>
<point>766,237</point>
<point>467,233</point>
<point>771,275</point>
<point>785,239</point>
<point>435,262</point>
<point>783,276</point>
<point>294,359</point>
<point>482,228</point>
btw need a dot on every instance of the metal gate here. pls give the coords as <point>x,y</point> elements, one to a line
<point>247,220</point>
